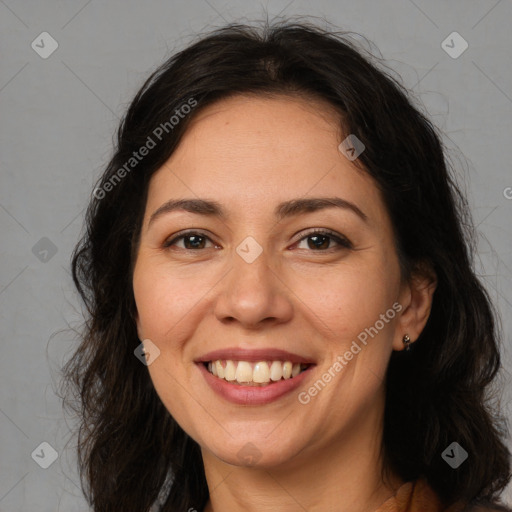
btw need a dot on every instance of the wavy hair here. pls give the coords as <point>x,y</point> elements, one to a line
<point>132,455</point>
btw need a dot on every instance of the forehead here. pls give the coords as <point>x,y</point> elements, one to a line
<point>254,152</point>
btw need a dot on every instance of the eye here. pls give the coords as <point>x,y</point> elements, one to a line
<point>319,240</point>
<point>192,240</point>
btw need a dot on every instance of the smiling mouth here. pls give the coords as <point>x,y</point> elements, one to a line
<point>260,373</point>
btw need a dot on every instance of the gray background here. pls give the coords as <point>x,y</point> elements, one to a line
<point>58,116</point>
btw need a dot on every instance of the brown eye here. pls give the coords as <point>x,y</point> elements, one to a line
<point>191,241</point>
<point>322,241</point>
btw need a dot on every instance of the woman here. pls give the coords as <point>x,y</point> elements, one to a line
<point>283,311</point>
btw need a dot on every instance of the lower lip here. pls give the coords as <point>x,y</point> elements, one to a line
<point>253,395</point>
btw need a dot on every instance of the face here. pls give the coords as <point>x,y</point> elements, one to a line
<point>268,278</point>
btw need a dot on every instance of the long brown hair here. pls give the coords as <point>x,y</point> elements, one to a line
<point>132,453</point>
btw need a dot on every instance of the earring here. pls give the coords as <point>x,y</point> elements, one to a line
<point>407,342</point>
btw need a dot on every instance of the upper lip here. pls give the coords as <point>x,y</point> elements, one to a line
<point>262,354</point>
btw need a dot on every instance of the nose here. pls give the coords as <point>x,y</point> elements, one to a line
<point>253,295</point>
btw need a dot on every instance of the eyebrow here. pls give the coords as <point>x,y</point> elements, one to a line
<point>283,210</point>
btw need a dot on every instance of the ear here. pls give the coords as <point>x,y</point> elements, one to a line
<point>416,296</point>
<point>136,319</point>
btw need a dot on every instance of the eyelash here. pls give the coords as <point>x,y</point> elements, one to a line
<point>343,242</point>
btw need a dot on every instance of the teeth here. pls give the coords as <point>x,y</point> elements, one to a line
<point>243,372</point>
<point>287,370</point>
<point>276,370</point>
<point>261,372</point>
<point>219,368</point>
<point>230,371</point>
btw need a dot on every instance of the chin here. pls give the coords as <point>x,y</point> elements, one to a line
<point>253,451</point>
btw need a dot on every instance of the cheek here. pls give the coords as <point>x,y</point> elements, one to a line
<point>350,298</point>
<point>162,299</point>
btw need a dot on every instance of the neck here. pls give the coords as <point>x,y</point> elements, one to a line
<point>343,475</point>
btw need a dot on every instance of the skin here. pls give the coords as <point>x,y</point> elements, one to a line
<point>250,153</point>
